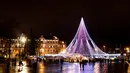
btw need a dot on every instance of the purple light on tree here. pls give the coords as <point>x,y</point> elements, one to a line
<point>82,43</point>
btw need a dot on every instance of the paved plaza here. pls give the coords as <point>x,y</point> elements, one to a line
<point>68,68</point>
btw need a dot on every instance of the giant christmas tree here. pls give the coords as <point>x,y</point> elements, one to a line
<point>82,43</point>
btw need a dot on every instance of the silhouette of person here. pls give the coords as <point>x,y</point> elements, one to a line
<point>20,63</point>
<point>83,64</point>
<point>127,67</point>
<point>35,66</point>
<point>8,66</point>
<point>80,63</point>
<point>61,61</point>
<point>15,62</point>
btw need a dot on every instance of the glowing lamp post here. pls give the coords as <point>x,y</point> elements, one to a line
<point>22,40</point>
<point>127,49</point>
<point>104,48</point>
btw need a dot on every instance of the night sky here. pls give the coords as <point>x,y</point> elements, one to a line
<point>108,22</point>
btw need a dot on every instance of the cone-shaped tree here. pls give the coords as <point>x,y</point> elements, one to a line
<point>82,43</point>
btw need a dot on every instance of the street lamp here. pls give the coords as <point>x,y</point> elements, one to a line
<point>104,48</point>
<point>21,43</point>
<point>127,49</point>
<point>22,40</point>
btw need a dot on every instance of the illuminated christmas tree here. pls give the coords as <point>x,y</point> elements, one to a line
<point>82,43</point>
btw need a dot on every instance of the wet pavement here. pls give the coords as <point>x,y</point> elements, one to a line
<point>68,68</point>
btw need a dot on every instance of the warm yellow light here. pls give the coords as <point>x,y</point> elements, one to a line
<point>23,39</point>
<point>42,50</point>
<point>127,49</point>
<point>43,45</point>
<point>18,44</point>
<point>104,46</point>
<point>62,42</point>
<point>112,58</point>
<point>64,46</point>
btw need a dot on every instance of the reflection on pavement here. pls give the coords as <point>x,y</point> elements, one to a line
<point>69,68</point>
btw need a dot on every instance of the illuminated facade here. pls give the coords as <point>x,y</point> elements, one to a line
<point>127,49</point>
<point>4,46</point>
<point>50,46</point>
<point>43,46</point>
<point>15,47</point>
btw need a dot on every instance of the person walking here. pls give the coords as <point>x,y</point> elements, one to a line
<point>80,63</point>
<point>20,66</point>
<point>83,63</point>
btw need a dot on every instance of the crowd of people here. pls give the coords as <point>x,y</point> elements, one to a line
<point>33,63</point>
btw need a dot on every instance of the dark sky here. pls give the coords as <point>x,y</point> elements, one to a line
<point>108,22</point>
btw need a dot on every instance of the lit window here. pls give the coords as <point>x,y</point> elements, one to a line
<point>43,45</point>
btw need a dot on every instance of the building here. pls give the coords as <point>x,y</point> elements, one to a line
<point>50,46</point>
<point>4,47</point>
<point>12,47</point>
<point>18,47</point>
